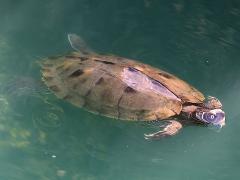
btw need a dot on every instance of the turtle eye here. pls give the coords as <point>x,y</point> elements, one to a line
<point>209,117</point>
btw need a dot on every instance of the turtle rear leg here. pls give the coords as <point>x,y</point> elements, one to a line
<point>78,44</point>
<point>170,129</point>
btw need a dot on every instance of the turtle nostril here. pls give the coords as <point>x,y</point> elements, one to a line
<point>218,126</point>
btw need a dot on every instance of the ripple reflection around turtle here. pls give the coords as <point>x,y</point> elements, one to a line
<point>32,94</point>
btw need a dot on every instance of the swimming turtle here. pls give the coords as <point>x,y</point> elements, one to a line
<point>126,89</point>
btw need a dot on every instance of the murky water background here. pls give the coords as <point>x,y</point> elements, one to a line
<point>44,138</point>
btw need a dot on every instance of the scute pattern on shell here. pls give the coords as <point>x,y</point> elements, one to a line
<point>180,88</point>
<point>94,83</point>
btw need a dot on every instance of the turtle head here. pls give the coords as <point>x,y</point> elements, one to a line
<point>212,103</point>
<point>215,117</point>
<point>211,112</point>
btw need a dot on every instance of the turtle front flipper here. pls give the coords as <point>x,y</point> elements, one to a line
<point>79,45</point>
<point>170,129</point>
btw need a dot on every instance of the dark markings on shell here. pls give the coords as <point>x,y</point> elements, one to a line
<point>165,75</point>
<point>132,69</point>
<point>48,78</point>
<point>88,92</point>
<point>155,82</point>
<point>140,114</point>
<point>82,58</point>
<point>67,97</point>
<point>99,81</point>
<point>190,103</point>
<point>129,90</point>
<point>86,101</point>
<point>119,100</point>
<point>104,62</point>
<point>54,88</point>
<point>76,73</point>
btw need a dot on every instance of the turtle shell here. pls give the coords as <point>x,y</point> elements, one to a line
<point>117,87</point>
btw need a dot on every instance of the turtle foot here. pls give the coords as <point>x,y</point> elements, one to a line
<point>170,129</point>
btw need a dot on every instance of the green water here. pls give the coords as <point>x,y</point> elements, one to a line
<point>43,138</point>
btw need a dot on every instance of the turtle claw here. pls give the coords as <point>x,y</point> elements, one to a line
<point>156,135</point>
<point>169,130</point>
<point>153,135</point>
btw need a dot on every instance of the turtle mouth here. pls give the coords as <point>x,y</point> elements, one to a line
<point>199,117</point>
<point>215,117</point>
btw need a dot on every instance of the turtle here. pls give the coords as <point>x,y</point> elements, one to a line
<point>127,89</point>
